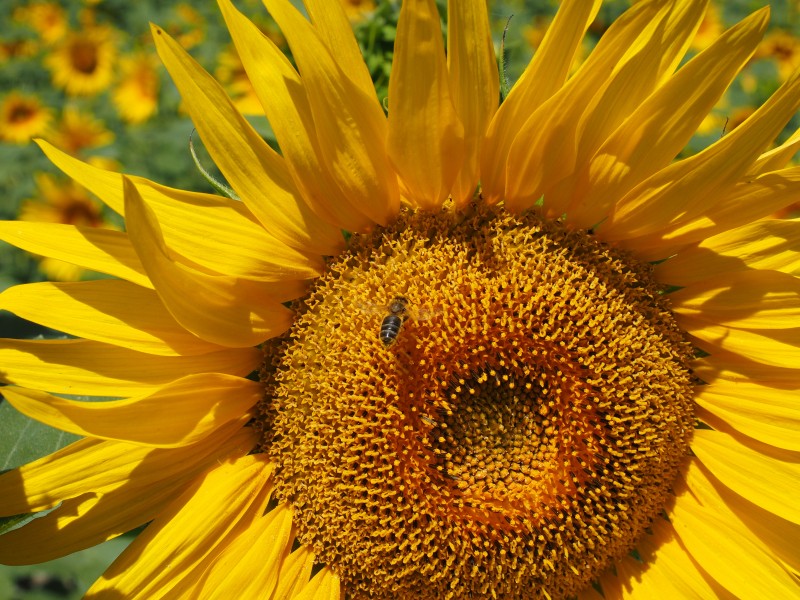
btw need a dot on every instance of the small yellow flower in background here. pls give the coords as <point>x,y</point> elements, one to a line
<point>191,26</point>
<point>78,131</point>
<point>711,27</point>
<point>231,73</point>
<point>83,62</point>
<point>23,117</point>
<point>48,19</point>
<point>358,9</point>
<point>549,360</point>
<point>62,201</point>
<point>136,95</point>
<point>11,49</point>
<point>784,48</point>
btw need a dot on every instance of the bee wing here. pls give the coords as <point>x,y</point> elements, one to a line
<point>372,309</point>
<point>425,313</point>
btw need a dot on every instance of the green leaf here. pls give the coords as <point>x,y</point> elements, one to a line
<point>23,440</point>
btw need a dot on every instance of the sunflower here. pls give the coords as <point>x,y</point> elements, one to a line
<point>82,62</point>
<point>136,95</point>
<point>357,10</point>
<point>579,379</point>
<point>65,202</point>
<point>784,48</point>
<point>78,131</point>
<point>23,117</point>
<point>48,19</point>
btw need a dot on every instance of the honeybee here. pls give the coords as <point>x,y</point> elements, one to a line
<point>399,310</point>
<point>390,327</point>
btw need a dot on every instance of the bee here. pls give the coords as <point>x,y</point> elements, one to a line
<point>390,327</point>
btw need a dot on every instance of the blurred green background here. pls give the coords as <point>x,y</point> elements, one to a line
<point>83,75</point>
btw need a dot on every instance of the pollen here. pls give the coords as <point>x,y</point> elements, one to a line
<point>517,435</point>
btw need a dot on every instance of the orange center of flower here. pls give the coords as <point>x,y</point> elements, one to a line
<point>516,430</point>
<point>84,56</point>
<point>21,113</point>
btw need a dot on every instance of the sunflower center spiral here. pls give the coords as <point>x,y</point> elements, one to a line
<point>517,432</point>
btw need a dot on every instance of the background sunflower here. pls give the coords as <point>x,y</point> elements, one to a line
<point>40,57</point>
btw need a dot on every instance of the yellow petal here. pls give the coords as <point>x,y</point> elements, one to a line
<point>738,368</point>
<point>543,76</point>
<point>285,102</point>
<point>334,29</point>
<point>89,519</point>
<point>742,203</point>
<point>777,536</point>
<point>777,158</point>
<point>670,115</point>
<point>234,242</point>
<point>254,169</point>
<point>295,573</point>
<point>745,299</point>
<point>350,124</point>
<point>765,475</point>
<point>188,533</point>
<point>665,570</point>
<point>101,467</point>
<point>105,310</point>
<point>323,586</point>
<point>84,367</point>
<point>221,309</point>
<point>728,555</point>
<point>690,187</point>
<point>770,414</point>
<point>426,137</point>
<point>250,566</point>
<point>103,250</point>
<point>764,245</point>
<point>624,68</point>
<point>180,413</point>
<point>772,347</point>
<point>474,84</point>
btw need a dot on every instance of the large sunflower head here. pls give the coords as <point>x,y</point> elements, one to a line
<point>548,359</point>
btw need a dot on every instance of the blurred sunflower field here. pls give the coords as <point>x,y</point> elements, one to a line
<point>84,76</point>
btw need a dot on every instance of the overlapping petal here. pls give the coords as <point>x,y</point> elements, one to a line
<point>624,68</point>
<point>106,310</point>
<point>765,475</point>
<point>350,124</point>
<point>767,413</point>
<point>190,532</point>
<point>769,245</point>
<point>426,136</point>
<point>103,250</point>
<point>474,85</point>
<point>752,299</point>
<point>219,308</point>
<point>687,188</point>
<point>656,130</point>
<point>85,367</point>
<point>284,97</point>
<point>234,242</point>
<point>251,565</point>
<point>543,76</point>
<point>177,414</point>
<point>254,169</point>
<point>742,565</point>
<point>89,518</point>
